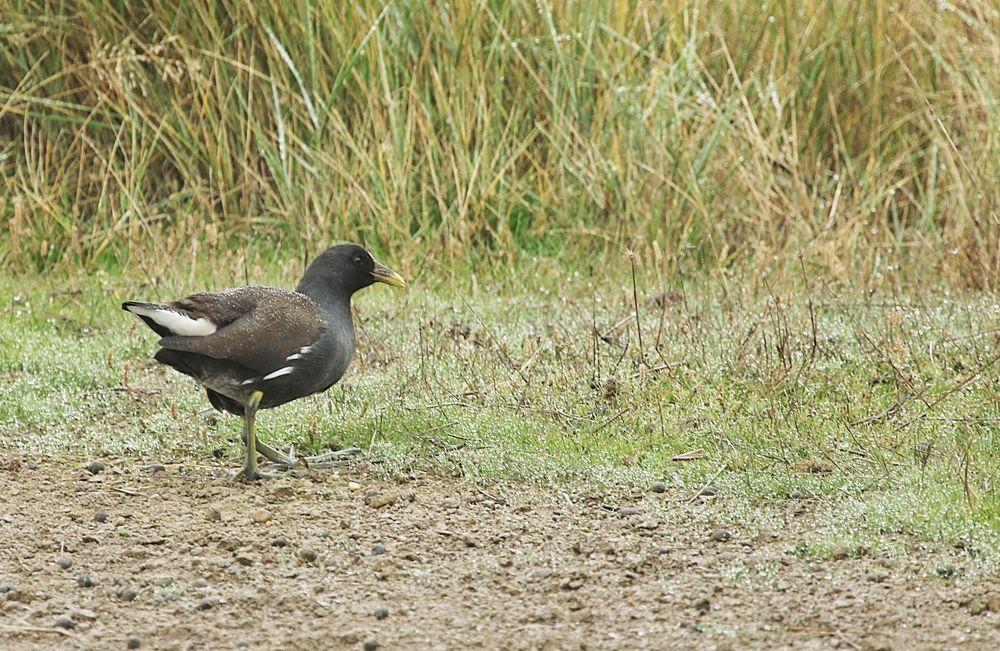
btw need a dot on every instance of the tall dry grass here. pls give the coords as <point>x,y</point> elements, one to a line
<point>857,136</point>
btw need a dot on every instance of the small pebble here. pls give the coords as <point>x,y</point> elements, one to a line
<point>65,562</point>
<point>877,577</point>
<point>371,644</point>
<point>207,603</point>
<point>133,643</point>
<point>5,588</point>
<point>658,487</point>
<point>381,612</point>
<point>839,552</point>
<point>213,515</point>
<point>260,516</point>
<point>353,486</point>
<point>708,491</point>
<point>199,583</point>
<point>95,466</point>
<point>279,541</point>
<point>322,533</point>
<point>946,571</point>
<point>84,581</point>
<point>100,516</point>
<point>155,467</point>
<point>246,560</point>
<point>628,511</point>
<point>703,605</point>
<point>127,594</point>
<point>720,535</point>
<point>65,622</point>
<point>307,554</point>
<point>371,492</point>
<point>378,549</point>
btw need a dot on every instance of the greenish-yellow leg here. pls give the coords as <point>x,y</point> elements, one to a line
<point>250,470</point>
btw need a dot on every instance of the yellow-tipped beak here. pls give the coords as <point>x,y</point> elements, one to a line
<point>384,274</point>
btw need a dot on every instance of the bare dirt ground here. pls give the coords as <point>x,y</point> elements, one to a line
<point>179,557</point>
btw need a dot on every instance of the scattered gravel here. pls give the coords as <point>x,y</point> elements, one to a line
<point>378,549</point>
<point>371,644</point>
<point>308,554</point>
<point>279,541</point>
<point>133,643</point>
<point>213,514</point>
<point>84,581</point>
<point>260,516</point>
<point>94,467</point>
<point>381,612</point>
<point>65,562</point>
<point>658,487</point>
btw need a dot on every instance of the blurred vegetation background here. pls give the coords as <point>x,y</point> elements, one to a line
<point>852,136</point>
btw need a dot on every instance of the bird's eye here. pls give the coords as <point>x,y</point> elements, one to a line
<point>357,259</point>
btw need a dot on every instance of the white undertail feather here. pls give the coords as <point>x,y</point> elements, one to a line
<point>176,322</point>
<point>281,371</point>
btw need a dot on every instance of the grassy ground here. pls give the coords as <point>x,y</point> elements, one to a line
<point>805,187</point>
<point>882,408</point>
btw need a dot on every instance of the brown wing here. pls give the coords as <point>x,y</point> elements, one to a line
<point>257,327</point>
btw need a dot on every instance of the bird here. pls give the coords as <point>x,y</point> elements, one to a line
<point>258,347</point>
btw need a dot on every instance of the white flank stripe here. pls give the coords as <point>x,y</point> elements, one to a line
<point>175,322</point>
<point>246,382</point>
<point>294,356</point>
<point>305,349</point>
<point>279,372</point>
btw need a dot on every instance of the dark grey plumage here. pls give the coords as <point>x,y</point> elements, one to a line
<point>280,344</point>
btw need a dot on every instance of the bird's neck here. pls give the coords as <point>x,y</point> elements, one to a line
<point>330,298</point>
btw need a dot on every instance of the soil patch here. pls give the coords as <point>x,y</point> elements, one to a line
<point>179,557</point>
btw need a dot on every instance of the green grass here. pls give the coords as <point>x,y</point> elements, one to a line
<point>881,409</point>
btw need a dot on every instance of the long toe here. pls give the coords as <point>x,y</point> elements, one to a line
<point>334,458</point>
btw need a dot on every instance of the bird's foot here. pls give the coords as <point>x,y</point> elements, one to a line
<point>331,459</point>
<point>249,475</point>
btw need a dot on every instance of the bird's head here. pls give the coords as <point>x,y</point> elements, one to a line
<point>348,267</point>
